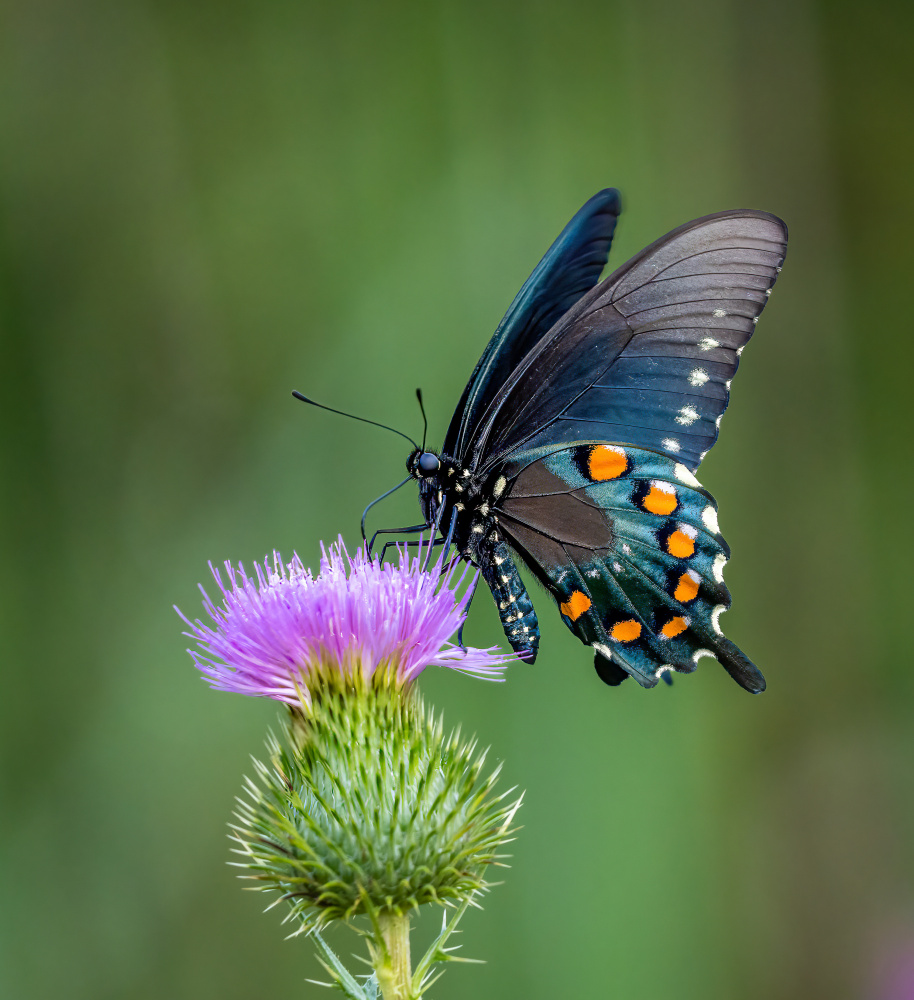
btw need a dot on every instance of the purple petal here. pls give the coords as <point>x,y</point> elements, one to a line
<point>275,629</point>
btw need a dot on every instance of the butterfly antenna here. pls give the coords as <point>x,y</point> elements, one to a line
<point>424,417</point>
<point>342,413</point>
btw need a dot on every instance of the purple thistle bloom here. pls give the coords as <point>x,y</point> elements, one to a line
<point>277,629</point>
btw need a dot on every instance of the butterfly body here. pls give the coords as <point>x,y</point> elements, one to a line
<point>574,446</point>
<point>470,505</point>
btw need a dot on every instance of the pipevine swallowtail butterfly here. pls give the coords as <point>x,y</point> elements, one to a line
<point>575,443</point>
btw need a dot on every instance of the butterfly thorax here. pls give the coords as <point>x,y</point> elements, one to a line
<point>446,488</point>
<point>451,495</point>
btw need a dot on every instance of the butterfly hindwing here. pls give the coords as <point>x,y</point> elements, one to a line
<point>627,542</point>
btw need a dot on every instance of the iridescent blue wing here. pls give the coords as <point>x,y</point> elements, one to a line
<point>570,268</point>
<point>646,357</point>
<point>627,542</point>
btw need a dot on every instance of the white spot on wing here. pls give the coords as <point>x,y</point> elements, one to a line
<point>500,485</point>
<point>709,517</point>
<point>699,653</point>
<point>660,671</point>
<point>626,548</point>
<point>617,567</point>
<point>720,560</point>
<point>687,416</point>
<point>719,313</point>
<point>708,344</point>
<point>688,530</point>
<point>664,487</point>
<point>698,376</point>
<point>684,476</point>
<point>715,617</point>
<point>603,649</point>
<point>671,444</point>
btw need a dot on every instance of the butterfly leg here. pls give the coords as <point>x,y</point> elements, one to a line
<point>434,527</point>
<point>411,530</point>
<point>383,496</point>
<point>466,612</point>
<point>515,609</point>
<point>420,544</point>
<point>450,536</point>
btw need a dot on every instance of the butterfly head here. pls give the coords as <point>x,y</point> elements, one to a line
<point>423,464</point>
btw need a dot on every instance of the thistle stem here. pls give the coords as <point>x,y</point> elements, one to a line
<point>393,967</point>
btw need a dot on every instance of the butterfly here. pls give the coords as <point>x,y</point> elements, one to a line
<point>574,446</point>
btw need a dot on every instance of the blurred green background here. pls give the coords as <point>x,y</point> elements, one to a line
<point>206,205</point>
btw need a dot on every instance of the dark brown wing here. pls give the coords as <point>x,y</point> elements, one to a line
<point>645,358</point>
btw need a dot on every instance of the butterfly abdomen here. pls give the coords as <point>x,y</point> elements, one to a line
<point>511,598</point>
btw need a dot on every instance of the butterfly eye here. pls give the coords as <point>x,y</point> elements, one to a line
<point>428,463</point>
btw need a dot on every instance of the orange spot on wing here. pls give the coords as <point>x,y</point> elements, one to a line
<point>626,631</point>
<point>680,545</point>
<point>674,627</point>
<point>576,605</point>
<point>660,501</point>
<point>686,588</point>
<point>606,462</point>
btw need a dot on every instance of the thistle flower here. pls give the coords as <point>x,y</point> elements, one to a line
<point>279,630</point>
<point>366,806</point>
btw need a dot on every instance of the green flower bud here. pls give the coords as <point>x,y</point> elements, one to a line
<point>368,807</point>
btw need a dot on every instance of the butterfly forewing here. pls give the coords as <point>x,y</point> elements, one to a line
<point>648,355</point>
<point>570,268</point>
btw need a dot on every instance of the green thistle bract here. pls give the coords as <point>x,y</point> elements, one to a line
<point>366,806</point>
